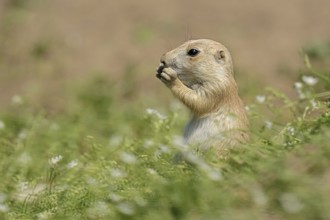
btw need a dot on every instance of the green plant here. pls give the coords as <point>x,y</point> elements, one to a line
<point>99,159</point>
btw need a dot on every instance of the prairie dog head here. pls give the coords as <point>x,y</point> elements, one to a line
<point>198,62</point>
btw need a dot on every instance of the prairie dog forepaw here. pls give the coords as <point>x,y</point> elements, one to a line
<point>166,75</point>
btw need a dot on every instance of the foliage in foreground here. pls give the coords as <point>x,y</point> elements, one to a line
<point>100,159</point>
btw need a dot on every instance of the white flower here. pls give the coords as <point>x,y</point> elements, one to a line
<point>214,175</point>
<point>126,208</point>
<point>261,98</point>
<point>198,161</point>
<point>99,209</point>
<point>115,140</point>
<point>128,157</point>
<point>298,85</point>
<point>148,143</point>
<point>17,100</point>
<point>55,160</point>
<point>247,108</point>
<point>22,186</point>
<point>179,142</point>
<point>140,202</point>
<point>72,164</point>
<point>314,104</point>
<point>44,215</point>
<point>152,171</point>
<point>115,197</point>
<point>24,158</point>
<point>259,196</point>
<point>291,203</point>
<point>54,126</point>
<point>2,125</point>
<point>290,130</point>
<point>22,135</point>
<point>268,124</point>
<point>91,181</point>
<point>117,173</point>
<point>4,208</point>
<point>302,96</point>
<point>310,80</point>
<point>151,111</point>
<point>164,149</point>
<point>2,197</point>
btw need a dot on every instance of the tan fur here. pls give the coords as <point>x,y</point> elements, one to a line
<point>206,85</point>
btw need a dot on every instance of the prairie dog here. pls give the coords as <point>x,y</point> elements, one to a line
<point>200,74</point>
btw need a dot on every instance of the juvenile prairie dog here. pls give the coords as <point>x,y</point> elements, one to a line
<point>200,74</point>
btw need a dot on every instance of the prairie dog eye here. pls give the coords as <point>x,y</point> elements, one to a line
<point>192,52</point>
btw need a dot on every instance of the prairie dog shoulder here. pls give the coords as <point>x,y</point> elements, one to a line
<point>200,74</point>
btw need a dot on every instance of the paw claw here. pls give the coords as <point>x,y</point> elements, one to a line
<point>166,75</point>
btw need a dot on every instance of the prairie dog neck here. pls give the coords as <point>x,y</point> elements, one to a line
<point>200,74</point>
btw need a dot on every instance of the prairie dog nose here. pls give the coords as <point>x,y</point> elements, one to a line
<point>162,59</point>
<point>162,65</point>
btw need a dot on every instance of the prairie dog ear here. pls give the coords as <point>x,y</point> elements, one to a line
<point>220,56</point>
